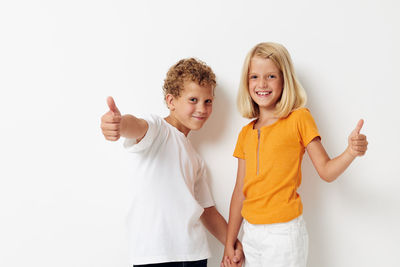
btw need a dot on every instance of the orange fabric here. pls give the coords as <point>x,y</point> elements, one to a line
<point>271,195</point>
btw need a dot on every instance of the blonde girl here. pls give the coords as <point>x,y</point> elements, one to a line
<point>270,151</point>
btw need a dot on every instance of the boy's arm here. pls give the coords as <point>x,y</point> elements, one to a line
<point>215,223</point>
<point>114,125</point>
<point>217,226</point>
<point>132,127</point>
<point>329,169</point>
<point>235,216</point>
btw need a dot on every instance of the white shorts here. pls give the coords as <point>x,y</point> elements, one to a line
<point>275,245</point>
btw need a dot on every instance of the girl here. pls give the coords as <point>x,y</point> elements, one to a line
<point>270,151</point>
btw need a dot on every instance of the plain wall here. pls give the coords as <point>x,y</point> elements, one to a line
<point>65,191</point>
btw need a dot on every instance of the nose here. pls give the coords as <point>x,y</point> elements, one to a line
<point>204,109</point>
<point>262,83</point>
<point>201,108</point>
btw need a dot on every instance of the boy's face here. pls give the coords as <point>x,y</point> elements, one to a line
<point>192,108</point>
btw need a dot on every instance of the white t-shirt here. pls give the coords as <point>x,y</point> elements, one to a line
<point>169,195</point>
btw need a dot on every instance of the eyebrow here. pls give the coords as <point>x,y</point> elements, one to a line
<point>254,73</point>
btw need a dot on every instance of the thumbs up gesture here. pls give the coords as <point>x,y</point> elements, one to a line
<point>111,121</point>
<point>357,142</point>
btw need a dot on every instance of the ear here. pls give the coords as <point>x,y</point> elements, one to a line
<point>169,99</point>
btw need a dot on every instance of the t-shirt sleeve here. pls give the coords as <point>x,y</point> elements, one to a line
<point>131,145</point>
<point>306,127</point>
<point>202,192</point>
<point>239,151</point>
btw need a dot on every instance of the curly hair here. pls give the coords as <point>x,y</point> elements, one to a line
<point>189,69</point>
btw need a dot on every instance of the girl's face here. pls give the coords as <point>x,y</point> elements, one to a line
<point>265,83</point>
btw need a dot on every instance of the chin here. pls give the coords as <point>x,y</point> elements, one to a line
<point>197,127</point>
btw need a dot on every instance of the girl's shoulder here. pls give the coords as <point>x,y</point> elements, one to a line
<point>301,117</point>
<point>300,113</point>
<point>248,127</point>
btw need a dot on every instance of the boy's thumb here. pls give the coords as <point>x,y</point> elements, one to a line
<point>112,106</point>
<point>359,126</point>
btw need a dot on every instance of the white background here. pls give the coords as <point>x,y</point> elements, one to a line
<point>64,190</point>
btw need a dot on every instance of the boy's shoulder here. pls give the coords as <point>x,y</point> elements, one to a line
<point>151,137</point>
<point>156,122</point>
<point>154,118</point>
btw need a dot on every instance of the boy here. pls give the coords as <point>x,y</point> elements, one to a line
<point>171,195</point>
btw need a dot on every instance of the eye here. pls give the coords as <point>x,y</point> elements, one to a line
<point>193,100</point>
<point>209,101</point>
<point>271,76</point>
<point>253,77</point>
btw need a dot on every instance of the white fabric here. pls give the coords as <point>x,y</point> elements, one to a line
<point>169,194</point>
<point>275,245</point>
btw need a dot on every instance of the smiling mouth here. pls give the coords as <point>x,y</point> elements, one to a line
<point>199,118</point>
<point>263,93</point>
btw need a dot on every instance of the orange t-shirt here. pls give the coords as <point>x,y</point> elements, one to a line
<point>273,157</point>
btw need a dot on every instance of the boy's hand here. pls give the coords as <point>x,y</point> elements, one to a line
<point>357,142</point>
<point>111,121</point>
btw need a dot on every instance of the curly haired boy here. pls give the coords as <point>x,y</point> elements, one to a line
<point>171,199</point>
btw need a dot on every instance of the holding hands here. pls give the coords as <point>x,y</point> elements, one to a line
<point>357,142</point>
<point>111,121</point>
<point>233,256</point>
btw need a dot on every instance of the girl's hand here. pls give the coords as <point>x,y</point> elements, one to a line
<point>111,121</point>
<point>238,258</point>
<point>233,257</point>
<point>357,142</point>
<point>228,263</point>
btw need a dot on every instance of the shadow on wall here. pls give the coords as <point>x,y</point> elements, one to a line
<point>213,132</point>
<point>312,186</point>
<point>311,192</point>
<point>216,126</point>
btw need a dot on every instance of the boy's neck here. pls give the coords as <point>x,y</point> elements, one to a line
<point>175,123</point>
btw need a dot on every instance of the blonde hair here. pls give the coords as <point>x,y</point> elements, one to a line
<point>293,94</point>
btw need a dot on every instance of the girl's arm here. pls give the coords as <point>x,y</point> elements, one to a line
<point>329,169</point>
<point>235,216</point>
<point>114,125</point>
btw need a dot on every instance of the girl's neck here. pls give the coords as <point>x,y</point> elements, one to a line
<point>267,117</point>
